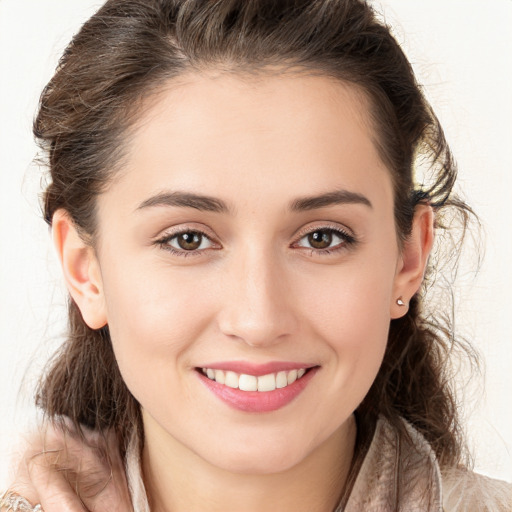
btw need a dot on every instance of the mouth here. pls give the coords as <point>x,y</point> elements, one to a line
<point>261,383</point>
<point>256,393</point>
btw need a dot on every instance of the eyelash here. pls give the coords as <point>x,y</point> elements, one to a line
<point>163,243</point>
<point>348,240</point>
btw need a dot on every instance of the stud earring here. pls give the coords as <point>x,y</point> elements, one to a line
<point>400,301</point>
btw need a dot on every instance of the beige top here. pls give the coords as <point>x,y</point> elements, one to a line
<point>399,473</point>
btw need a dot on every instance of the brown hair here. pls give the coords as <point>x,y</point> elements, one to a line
<point>131,47</point>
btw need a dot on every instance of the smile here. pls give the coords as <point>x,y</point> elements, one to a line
<point>262,383</point>
<point>260,393</point>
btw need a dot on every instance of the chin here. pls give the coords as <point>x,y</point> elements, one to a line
<point>258,459</point>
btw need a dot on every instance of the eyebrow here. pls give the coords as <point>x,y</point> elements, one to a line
<point>329,199</point>
<point>213,204</point>
<point>186,200</point>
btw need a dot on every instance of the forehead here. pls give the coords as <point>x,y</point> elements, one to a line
<point>224,132</point>
<point>238,102</point>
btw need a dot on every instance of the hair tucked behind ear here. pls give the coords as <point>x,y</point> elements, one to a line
<point>126,52</point>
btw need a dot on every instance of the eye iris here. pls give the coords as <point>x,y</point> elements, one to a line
<point>320,239</point>
<point>190,241</point>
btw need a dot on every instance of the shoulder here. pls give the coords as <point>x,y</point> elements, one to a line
<point>461,490</point>
<point>464,491</point>
<point>400,471</point>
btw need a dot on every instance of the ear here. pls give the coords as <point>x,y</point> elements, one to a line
<point>413,260</point>
<point>81,270</point>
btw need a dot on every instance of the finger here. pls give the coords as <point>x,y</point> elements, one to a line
<point>113,496</point>
<point>69,471</point>
<point>92,466</point>
<point>51,485</point>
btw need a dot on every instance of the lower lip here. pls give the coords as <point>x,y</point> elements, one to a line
<point>258,401</point>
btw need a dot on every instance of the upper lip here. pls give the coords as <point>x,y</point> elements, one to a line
<point>244,367</point>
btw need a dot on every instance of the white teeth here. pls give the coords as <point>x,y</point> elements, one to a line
<point>267,382</point>
<point>281,380</point>
<point>245,382</point>
<point>220,376</point>
<point>248,382</point>
<point>231,380</point>
<point>292,376</point>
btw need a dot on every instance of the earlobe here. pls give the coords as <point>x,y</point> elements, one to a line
<point>81,270</point>
<point>413,260</point>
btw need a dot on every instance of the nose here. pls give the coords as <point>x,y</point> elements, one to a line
<point>257,306</point>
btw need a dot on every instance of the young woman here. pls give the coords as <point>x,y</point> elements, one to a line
<point>235,205</point>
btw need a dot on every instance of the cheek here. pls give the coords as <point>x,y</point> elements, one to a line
<point>153,318</point>
<point>350,303</point>
<point>356,329</point>
<point>144,295</point>
<point>349,310</point>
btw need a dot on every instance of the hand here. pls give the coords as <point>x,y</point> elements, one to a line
<point>65,473</point>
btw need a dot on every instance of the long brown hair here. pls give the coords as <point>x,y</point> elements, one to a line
<point>125,52</point>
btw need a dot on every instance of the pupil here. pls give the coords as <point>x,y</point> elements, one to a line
<point>320,239</point>
<point>190,241</point>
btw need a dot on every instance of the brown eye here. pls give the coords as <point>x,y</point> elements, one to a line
<point>189,241</point>
<point>321,239</point>
<point>326,240</point>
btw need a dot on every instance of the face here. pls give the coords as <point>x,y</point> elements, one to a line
<point>250,236</point>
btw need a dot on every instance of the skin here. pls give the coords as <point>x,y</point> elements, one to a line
<point>255,290</point>
<point>64,474</point>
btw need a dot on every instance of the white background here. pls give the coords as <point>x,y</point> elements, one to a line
<point>461,51</point>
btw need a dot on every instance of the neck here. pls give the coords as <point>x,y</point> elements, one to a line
<point>178,480</point>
